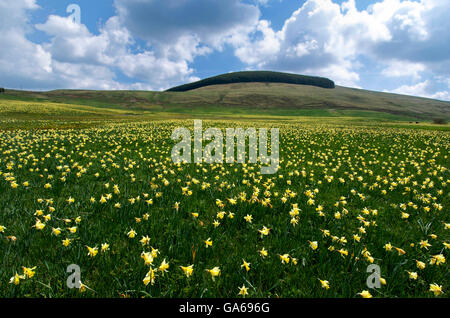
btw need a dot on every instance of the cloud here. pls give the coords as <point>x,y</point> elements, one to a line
<point>404,69</point>
<point>423,89</point>
<point>175,32</point>
<point>76,58</point>
<point>257,51</point>
<point>166,22</point>
<point>417,30</point>
<point>405,39</point>
<point>319,37</point>
<point>20,60</point>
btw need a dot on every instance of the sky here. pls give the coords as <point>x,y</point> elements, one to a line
<point>384,45</point>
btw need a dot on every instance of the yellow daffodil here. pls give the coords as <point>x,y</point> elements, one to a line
<point>243,291</point>
<point>188,270</point>
<point>365,294</point>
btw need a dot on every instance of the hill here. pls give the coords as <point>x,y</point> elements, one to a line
<point>256,77</point>
<point>230,100</point>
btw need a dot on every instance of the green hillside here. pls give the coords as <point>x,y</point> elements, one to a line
<point>274,99</point>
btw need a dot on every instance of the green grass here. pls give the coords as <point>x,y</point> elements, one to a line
<point>410,165</point>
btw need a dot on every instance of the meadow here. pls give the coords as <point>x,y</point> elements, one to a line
<point>106,196</point>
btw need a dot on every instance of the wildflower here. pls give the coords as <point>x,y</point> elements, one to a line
<point>214,272</point>
<point>325,284</point>
<point>56,231</point>
<point>208,242</point>
<point>437,259</point>
<point>145,240</point>
<point>263,252</point>
<point>420,265</point>
<point>149,277</point>
<point>246,265</point>
<point>164,266</point>
<point>92,251</point>
<point>16,279</point>
<point>365,294</point>
<point>436,289</point>
<point>424,244</point>
<point>105,247</point>
<point>188,270</point>
<point>343,252</point>
<point>243,290</point>
<point>264,231</point>
<point>148,258</point>
<point>39,225</point>
<point>132,234</point>
<point>284,258</point>
<point>28,272</point>
<point>248,218</point>
<point>412,275</point>
<point>400,251</point>
<point>82,287</point>
<point>73,229</point>
<point>313,245</point>
<point>66,242</point>
<point>155,252</point>
<point>294,221</point>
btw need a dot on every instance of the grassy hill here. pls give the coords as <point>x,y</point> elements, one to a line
<point>249,98</point>
<point>246,99</point>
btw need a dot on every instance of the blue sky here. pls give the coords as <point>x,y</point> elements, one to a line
<point>385,45</point>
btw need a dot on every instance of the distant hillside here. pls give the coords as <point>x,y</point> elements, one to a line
<point>240,99</point>
<point>256,77</point>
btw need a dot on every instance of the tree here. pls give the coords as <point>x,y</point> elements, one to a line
<point>439,121</point>
<point>2,90</point>
<point>259,77</point>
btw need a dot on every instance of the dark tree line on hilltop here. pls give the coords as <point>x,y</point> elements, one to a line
<point>257,76</point>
